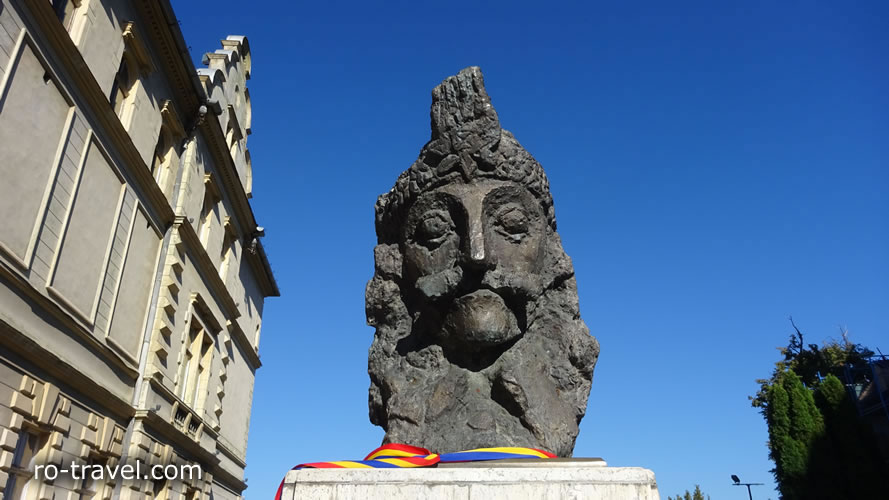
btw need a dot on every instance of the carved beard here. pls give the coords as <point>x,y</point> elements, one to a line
<point>485,312</point>
<point>450,396</point>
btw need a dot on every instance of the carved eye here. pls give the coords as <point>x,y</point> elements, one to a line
<point>434,227</point>
<point>512,222</point>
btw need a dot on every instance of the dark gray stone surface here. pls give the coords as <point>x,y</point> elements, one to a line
<point>479,340</point>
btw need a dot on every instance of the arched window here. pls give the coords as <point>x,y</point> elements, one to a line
<point>122,85</point>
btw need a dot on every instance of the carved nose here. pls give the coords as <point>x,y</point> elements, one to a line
<point>476,244</point>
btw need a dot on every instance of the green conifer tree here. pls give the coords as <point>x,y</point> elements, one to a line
<point>795,426</point>
<point>854,470</point>
<point>820,447</point>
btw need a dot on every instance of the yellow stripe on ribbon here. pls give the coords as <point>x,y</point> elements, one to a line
<point>404,463</point>
<point>347,464</point>
<point>511,450</point>
<point>390,453</point>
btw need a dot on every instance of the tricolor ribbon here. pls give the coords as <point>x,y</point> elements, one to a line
<point>395,455</point>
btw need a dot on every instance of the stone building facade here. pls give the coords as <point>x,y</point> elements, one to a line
<point>132,276</point>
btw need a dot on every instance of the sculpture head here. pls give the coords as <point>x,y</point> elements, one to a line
<point>474,252</point>
<point>473,293</point>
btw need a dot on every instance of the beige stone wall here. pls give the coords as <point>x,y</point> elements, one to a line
<point>71,429</point>
<point>131,296</point>
<point>68,429</point>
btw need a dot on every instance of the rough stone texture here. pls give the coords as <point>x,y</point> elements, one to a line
<point>490,481</point>
<point>479,340</point>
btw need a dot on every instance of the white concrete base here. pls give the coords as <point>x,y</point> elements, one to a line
<point>555,479</point>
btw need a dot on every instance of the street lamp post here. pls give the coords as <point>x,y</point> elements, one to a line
<point>738,482</point>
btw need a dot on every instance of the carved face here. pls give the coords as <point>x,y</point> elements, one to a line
<point>474,252</point>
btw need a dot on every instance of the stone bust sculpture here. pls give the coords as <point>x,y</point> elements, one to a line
<point>479,340</point>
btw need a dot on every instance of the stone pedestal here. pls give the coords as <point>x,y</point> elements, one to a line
<point>556,479</point>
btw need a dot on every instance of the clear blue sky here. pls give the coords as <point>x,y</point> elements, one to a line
<point>715,169</point>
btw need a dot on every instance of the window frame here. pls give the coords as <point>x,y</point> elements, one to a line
<point>193,386</point>
<point>21,470</point>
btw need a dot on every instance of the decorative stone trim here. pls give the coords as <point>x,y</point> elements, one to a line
<point>212,185</point>
<point>40,403</point>
<point>200,306</point>
<point>102,436</point>
<point>147,450</point>
<point>228,227</point>
<point>171,120</point>
<point>40,407</point>
<point>137,48</point>
<point>165,322</point>
<point>192,426</point>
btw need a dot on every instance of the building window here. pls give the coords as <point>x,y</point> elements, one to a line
<point>90,487</point>
<point>248,114</point>
<point>161,151</point>
<point>196,366</point>
<point>135,63</point>
<point>122,85</point>
<point>192,494</point>
<point>65,10</point>
<point>21,471</point>
<point>161,162</point>
<point>160,490</point>
<point>233,138</point>
<point>228,254</point>
<point>248,175</point>
<point>208,213</point>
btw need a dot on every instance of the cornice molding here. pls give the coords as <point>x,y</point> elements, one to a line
<point>57,367</point>
<point>236,332</point>
<point>260,265</point>
<point>221,446</point>
<point>200,306</point>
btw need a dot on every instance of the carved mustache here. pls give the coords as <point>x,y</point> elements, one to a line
<point>455,282</point>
